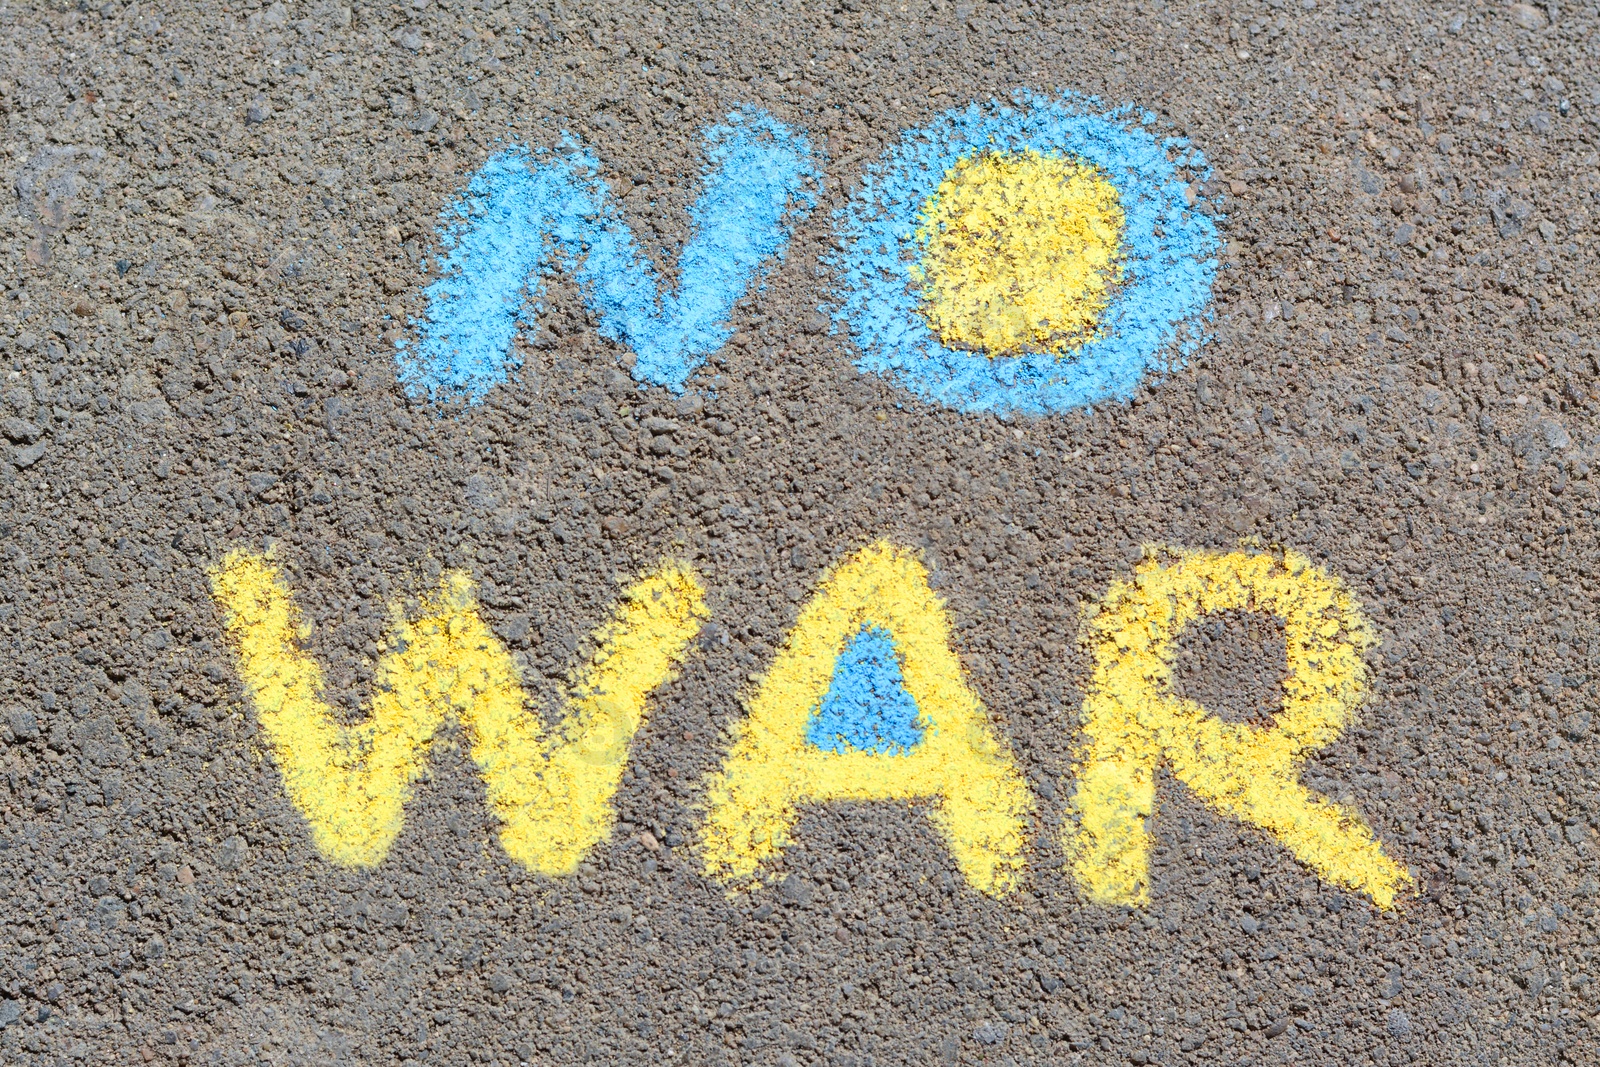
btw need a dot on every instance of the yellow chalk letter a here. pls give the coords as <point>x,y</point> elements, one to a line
<point>979,801</point>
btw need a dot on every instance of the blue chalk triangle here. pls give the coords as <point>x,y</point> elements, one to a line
<point>866,707</point>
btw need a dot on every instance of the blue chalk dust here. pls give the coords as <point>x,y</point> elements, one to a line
<point>524,214</point>
<point>866,707</point>
<point>1169,256</point>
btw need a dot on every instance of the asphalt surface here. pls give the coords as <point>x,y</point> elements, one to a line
<point>220,220</point>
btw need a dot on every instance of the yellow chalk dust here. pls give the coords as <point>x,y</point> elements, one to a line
<point>1020,253</point>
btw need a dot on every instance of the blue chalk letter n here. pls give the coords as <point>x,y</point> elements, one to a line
<point>524,214</point>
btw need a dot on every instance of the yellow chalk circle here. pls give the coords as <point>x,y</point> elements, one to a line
<point>1133,719</point>
<point>1020,252</point>
<point>979,801</point>
<point>552,796</point>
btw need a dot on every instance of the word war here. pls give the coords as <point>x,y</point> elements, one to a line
<point>865,701</point>
<point>1024,257</point>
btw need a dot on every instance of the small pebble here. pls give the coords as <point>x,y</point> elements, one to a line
<point>989,1033</point>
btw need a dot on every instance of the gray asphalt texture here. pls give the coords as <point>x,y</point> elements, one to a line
<point>220,214</point>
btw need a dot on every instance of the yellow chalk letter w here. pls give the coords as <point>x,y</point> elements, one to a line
<point>552,795</point>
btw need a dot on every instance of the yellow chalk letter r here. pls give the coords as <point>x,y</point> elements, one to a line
<point>1133,720</point>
